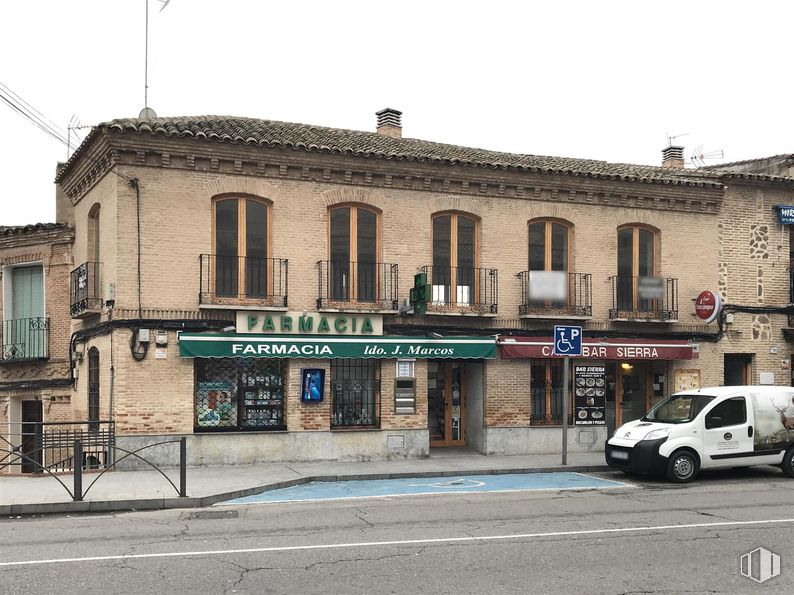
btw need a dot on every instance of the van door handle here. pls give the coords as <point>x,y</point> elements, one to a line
<point>749,431</point>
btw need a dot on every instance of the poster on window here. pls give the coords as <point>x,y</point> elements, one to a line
<point>589,395</point>
<point>215,405</point>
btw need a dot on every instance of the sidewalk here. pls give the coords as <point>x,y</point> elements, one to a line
<point>148,490</point>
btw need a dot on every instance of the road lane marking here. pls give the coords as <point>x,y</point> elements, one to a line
<point>403,542</point>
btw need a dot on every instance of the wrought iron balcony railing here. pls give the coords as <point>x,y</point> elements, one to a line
<point>553,294</point>
<point>462,290</point>
<point>24,339</point>
<point>85,293</point>
<point>644,298</point>
<point>243,281</point>
<point>357,285</point>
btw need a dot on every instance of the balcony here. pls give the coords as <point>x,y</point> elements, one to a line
<point>555,294</point>
<point>85,291</point>
<point>24,339</point>
<point>357,286</point>
<point>462,290</point>
<point>644,299</point>
<point>243,281</point>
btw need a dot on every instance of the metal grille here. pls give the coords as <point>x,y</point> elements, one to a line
<point>463,289</point>
<point>547,392</point>
<point>239,394</point>
<point>357,285</point>
<point>355,390</point>
<point>93,389</point>
<point>632,300</point>
<point>24,339</point>
<point>84,293</point>
<point>578,302</point>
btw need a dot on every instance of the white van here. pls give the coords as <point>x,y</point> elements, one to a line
<point>709,428</point>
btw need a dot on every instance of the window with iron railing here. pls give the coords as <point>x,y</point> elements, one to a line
<point>355,393</point>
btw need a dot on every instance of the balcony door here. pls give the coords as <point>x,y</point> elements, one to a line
<point>242,248</point>
<point>353,251</point>
<point>25,334</point>
<point>455,260</point>
<point>549,262</point>
<point>637,259</point>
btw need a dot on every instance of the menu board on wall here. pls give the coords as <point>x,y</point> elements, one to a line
<point>686,380</point>
<point>589,395</point>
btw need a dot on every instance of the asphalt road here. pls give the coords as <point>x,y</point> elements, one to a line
<point>653,538</point>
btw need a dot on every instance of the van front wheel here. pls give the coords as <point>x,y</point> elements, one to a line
<point>682,467</point>
<point>788,463</point>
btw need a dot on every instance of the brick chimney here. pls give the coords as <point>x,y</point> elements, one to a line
<point>673,157</point>
<point>389,122</point>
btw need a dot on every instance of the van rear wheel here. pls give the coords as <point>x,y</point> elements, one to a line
<point>682,467</point>
<point>788,463</point>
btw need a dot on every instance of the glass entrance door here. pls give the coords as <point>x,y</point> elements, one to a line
<point>633,391</point>
<point>446,403</point>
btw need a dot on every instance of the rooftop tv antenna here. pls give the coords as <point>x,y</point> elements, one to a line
<point>672,137</point>
<point>147,112</point>
<point>699,157</point>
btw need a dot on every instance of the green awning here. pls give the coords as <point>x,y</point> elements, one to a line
<point>318,347</point>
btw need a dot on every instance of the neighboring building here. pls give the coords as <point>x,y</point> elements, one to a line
<point>228,267</point>
<point>35,386</point>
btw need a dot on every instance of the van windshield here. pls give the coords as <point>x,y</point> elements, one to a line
<point>678,409</point>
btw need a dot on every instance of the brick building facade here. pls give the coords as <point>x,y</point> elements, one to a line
<point>188,231</point>
<point>35,261</point>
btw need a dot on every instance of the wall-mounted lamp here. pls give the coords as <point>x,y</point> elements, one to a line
<point>626,366</point>
<point>77,352</point>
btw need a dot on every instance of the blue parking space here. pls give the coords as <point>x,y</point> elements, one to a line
<point>379,488</point>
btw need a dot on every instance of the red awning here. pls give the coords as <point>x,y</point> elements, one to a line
<point>618,349</point>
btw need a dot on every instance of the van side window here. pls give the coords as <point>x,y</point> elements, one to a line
<point>731,412</point>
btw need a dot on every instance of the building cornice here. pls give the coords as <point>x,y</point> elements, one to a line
<point>116,149</point>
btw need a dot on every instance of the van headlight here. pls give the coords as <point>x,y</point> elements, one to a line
<point>656,434</point>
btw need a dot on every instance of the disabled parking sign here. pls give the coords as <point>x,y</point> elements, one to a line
<point>567,340</point>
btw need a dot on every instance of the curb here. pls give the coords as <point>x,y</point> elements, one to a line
<point>204,501</point>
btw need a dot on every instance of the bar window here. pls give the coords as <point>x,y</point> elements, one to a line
<point>547,392</point>
<point>355,393</point>
<point>239,394</point>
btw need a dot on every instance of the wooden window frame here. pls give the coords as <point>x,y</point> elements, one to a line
<point>549,221</point>
<point>635,257</point>
<point>453,250</point>
<point>352,275</point>
<point>241,236</point>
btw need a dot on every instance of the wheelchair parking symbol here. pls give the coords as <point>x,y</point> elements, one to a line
<point>567,340</point>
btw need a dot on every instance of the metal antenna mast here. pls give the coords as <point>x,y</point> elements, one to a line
<point>146,112</point>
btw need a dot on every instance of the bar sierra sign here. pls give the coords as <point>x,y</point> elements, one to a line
<point>611,349</point>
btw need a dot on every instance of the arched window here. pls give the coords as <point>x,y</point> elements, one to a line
<point>93,389</point>
<point>354,245</point>
<point>455,258</point>
<point>93,239</point>
<point>242,247</point>
<point>637,264</point>
<point>550,245</point>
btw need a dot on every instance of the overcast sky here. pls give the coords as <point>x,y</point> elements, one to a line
<point>594,79</point>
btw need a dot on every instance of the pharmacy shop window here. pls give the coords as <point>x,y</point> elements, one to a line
<point>239,394</point>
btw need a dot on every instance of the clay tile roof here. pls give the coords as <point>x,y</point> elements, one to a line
<point>305,137</point>
<point>8,230</point>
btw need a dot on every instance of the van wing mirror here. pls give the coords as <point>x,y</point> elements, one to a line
<point>713,421</point>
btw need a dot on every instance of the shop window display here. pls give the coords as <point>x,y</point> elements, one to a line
<point>239,394</point>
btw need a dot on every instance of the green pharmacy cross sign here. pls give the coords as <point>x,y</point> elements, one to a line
<point>420,294</point>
